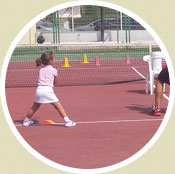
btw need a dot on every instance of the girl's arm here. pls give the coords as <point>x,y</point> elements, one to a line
<point>55,80</point>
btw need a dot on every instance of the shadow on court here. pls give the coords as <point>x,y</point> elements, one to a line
<point>142,109</point>
<point>137,91</point>
<point>21,121</point>
<point>37,123</point>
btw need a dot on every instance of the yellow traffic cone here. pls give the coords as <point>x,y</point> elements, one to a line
<point>85,59</point>
<point>66,63</point>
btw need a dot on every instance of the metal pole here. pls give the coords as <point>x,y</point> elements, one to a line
<point>102,23</point>
<point>126,29</point>
<point>129,29</point>
<point>150,49</point>
<point>58,27</point>
<point>121,21</point>
<point>30,40</point>
<point>73,19</point>
<point>117,29</point>
<point>53,22</point>
<point>117,36</point>
<point>55,14</point>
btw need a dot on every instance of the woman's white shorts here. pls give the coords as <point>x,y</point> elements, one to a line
<point>45,94</point>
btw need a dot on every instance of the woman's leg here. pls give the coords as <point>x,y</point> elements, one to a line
<point>158,93</point>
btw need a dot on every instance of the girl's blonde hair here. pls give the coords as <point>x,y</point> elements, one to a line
<point>45,58</point>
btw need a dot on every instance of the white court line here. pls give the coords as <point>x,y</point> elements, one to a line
<point>165,96</point>
<point>138,73</point>
<point>97,122</point>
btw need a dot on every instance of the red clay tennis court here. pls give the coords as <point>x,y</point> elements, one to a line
<point>112,115</point>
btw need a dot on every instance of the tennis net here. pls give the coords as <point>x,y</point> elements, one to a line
<point>86,64</point>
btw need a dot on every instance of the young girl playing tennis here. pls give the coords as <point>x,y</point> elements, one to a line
<point>48,77</point>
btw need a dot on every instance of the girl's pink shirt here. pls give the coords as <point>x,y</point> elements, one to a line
<point>46,76</point>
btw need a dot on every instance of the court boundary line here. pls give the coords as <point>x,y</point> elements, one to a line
<point>98,122</point>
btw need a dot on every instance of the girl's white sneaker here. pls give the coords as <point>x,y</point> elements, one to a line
<point>27,122</point>
<point>70,123</point>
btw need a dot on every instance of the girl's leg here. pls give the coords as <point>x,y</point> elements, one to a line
<point>27,121</point>
<point>59,108</point>
<point>33,109</point>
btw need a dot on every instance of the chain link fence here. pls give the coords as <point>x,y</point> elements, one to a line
<point>90,24</point>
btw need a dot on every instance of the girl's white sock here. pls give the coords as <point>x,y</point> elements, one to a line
<point>66,119</point>
<point>27,119</point>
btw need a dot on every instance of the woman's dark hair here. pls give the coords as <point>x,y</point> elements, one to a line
<point>45,58</point>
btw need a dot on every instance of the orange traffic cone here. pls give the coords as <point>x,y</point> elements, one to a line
<point>48,122</point>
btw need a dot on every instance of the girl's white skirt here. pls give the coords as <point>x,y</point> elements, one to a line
<point>45,94</point>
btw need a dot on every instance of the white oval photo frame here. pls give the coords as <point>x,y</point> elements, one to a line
<point>54,164</point>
